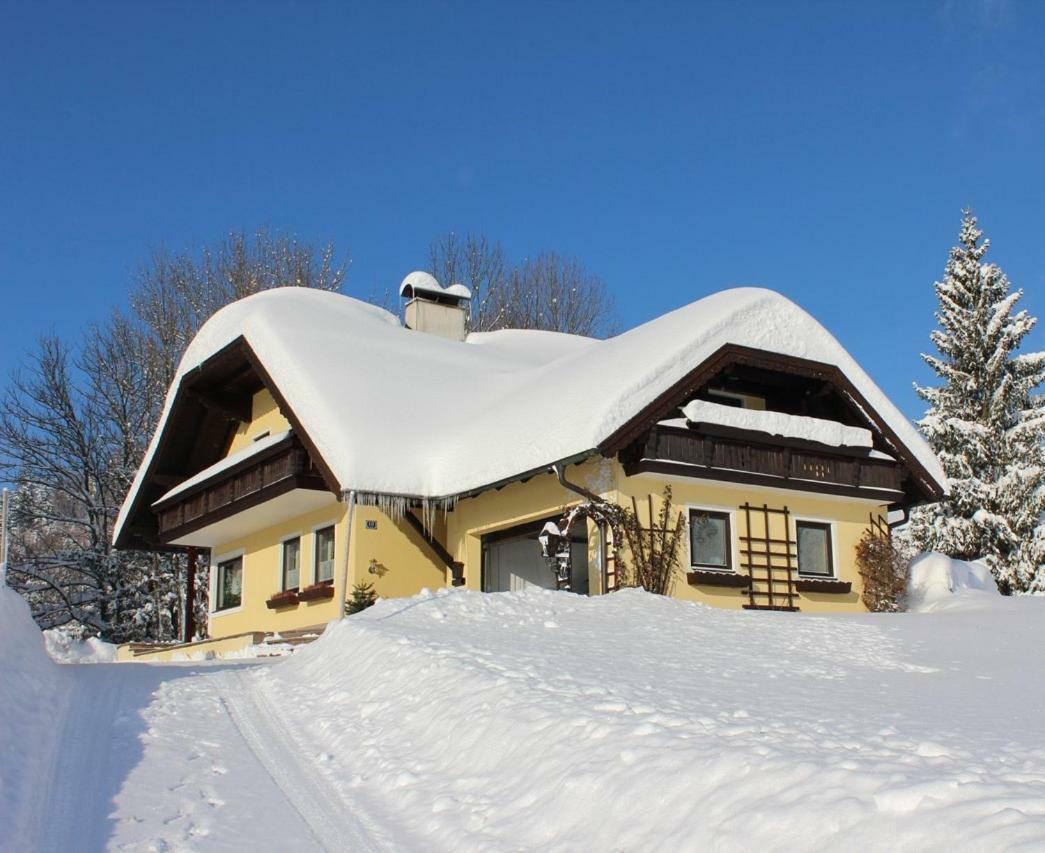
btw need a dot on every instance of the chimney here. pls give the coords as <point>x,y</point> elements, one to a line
<point>435,309</point>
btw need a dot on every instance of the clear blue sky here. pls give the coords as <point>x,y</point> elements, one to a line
<point>824,150</point>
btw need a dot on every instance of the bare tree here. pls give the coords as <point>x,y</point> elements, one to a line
<point>75,421</point>
<point>174,294</point>
<point>547,292</point>
<point>53,445</point>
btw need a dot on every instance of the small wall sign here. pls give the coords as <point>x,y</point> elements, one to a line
<point>371,524</point>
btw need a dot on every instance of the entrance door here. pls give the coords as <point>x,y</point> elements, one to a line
<point>512,560</point>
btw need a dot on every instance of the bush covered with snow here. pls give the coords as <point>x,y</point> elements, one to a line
<point>65,648</point>
<point>937,582</point>
<point>32,695</point>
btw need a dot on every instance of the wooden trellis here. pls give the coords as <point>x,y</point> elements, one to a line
<point>771,561</point>
<point>880,526</point>
<point>610,573</point>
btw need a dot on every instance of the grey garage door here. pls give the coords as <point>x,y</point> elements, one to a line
<point>512,561</point>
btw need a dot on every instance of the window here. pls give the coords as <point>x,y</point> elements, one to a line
<point>324,555</point>
<point>230,584</point>
<point>814,548</point>
<point>291,563</point>
<point>709,539</point>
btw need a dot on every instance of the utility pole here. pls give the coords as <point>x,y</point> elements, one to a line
<point>5,541</point>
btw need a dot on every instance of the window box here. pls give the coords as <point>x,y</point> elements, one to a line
<point>711,577</point>
<point>826,585</point>
<point>324,589</point>
<point>286,598</point>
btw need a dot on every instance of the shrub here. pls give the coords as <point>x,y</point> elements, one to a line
<point>363,596</point>
<point>884,570</point>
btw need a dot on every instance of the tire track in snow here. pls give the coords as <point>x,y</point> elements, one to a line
<point>333,823</point>
<point>74,816</point>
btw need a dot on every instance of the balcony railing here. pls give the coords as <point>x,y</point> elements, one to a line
<point>795,463</point>
<point>283,466</point>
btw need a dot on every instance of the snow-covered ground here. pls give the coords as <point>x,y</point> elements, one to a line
<point>542,720</point>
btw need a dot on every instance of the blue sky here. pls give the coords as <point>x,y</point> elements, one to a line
<point>823,149</point>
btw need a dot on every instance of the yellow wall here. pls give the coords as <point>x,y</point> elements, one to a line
<point>265,415</point>
<point>538,498</point>
<point>188,651</point>
<point>542,496</point>
<point>262,560</point>
<point>849,518</point>
<point>403,563</point>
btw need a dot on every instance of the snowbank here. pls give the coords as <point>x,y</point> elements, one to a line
<point>938,582</point>
<point>33,693</point>
<point>66,649</point>
<point>544,720</point>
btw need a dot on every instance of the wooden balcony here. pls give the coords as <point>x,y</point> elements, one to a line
<point>757,458</point>
<point>279,469</point>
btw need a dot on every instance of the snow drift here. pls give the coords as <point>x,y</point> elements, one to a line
<point>938,581</point>
<point>64,648</point>
<point>32,696</point>
<point>544,720</point>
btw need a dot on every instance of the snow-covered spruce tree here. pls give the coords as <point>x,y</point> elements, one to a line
<point>985,423</point>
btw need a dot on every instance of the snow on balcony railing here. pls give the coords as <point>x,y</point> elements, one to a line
<point>831,433</point>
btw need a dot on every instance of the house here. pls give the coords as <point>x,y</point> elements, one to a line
<point>311,442</point>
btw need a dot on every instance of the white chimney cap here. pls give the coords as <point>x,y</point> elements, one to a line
<point>419,282</point>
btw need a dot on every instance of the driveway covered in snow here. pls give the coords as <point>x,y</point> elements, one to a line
<point>542,720</point>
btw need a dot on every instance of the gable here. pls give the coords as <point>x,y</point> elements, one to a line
<point>265,419</point>
<point>785,384</point>
<point>214,412</point>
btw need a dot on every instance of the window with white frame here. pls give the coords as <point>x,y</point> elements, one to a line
<point>324,551</point>
<point>710,546</point>
<point>814,548</point>
<point>229,584</point>
<point>291,563</point>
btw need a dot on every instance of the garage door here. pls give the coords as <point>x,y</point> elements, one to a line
<point>512,561</point>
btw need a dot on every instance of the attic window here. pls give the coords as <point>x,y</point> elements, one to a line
<point>726,398</point>
<point>736,399</point>
<point>263,434</point>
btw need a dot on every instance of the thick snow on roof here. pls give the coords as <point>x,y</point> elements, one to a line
<point>247,452</point>
<point>399,412</point>
<point>777,423</point>
<point>529,347</point>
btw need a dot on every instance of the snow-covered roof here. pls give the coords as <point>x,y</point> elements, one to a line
<point>398,412</point>
<point>253,449</point>
<point>777,423</point>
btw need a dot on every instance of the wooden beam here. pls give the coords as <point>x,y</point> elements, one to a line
<point>700,472</point>
<point>190,596</point>
<point>236,407</point>
<point>456,568</point>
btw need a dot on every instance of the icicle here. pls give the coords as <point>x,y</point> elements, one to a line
<point>396,506</point>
